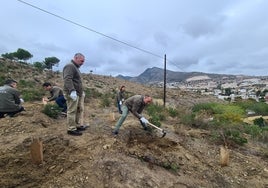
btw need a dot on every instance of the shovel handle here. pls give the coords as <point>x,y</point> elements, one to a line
<point>155,126</point>
<point>162,130</point>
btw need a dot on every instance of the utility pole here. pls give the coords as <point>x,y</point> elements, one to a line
<point>165,76</point>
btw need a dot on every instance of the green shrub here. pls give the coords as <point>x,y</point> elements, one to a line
<point>26,84</point>
<point>227,119</point>
<point>157,113</point>
<point>52,110</point>
<point>34,94</point>
<point>173,112</point>
<point>235,136</point>
<point>253,130</point>
<point>105,101</point>
<point>188,119</point>
<point>221,112</point>
<point>259,108</point>
<point>92,92</point>
<point>259,121</point>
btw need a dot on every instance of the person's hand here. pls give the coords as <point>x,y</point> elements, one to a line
<point>21,100</point>
<point>45,99</point>
<point>73,95</point>
<point>143,120</point>
<point>123,100</point>
<point>120,102</point>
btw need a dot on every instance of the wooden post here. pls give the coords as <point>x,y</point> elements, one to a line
<point>112,118</point>
<point>224,156</point>
<point>37,151</point>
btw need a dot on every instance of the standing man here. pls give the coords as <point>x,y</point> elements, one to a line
<point>135,105</point>
<point>120,97</point>
<point>10,102</point>
<point>73,90</point>
<point>56,94</point>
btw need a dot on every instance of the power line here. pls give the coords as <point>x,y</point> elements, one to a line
<point>92,30</point>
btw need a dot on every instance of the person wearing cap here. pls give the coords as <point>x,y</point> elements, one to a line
<point>120,97</point>
<point>135,105</point>
<point>10,101</point>
<point>56,94</point>
<point>74,94</point>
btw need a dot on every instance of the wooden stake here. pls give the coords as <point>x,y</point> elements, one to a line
<point>224,156</point>
<point>112,118</point>
<point>37,151</point>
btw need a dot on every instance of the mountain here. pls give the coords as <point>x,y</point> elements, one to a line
<point>155,74</point>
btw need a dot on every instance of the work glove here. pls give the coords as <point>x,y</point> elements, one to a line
<point>73,95</point>
<point>144,121</point>
<point>120,103</point>
<point>123,100</point>
<point>21,100</point>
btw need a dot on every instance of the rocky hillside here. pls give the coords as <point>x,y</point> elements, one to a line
<point>185,157</point>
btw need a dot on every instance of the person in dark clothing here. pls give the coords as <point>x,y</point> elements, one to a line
<point>135,105</point>
<point>10,101</point>
<point>56,94</point>
<point>120,97</point>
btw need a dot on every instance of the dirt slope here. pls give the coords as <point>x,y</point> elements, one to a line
<point>186,157</point>
<point>135,158</point>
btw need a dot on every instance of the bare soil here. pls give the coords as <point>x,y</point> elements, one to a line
<point>185,157</point>
<point>135,158</point>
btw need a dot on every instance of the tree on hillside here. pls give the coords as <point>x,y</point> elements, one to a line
<point>39,65</point>
<point>8,56</point>
<point>22,54</point>
<point>50,62</point>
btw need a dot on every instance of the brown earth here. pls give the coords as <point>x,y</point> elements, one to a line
<point>135,158</point>
<point>186,157</point>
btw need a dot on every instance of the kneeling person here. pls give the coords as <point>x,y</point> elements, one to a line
<point>56,94</point>
<point>10,102</point>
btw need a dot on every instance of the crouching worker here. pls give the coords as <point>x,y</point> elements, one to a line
<point>56,94</point>
<point>10,102</point>
<point>135,105</point>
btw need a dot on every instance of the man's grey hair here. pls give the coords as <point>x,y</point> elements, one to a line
<point>78,55</point>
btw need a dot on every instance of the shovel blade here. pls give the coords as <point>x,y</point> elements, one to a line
<point>164,134</point>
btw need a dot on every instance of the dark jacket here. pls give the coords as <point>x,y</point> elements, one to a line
<point>72,79</point>
<point>120,96</point>
<point>9,99</point>
<point>135,104</point>
<point>55,93</point>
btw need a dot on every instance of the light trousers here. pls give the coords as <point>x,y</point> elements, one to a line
<point>75,112</point>
<point>124,115</point>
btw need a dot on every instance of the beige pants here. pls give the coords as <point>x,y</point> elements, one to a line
<point>75,112</point>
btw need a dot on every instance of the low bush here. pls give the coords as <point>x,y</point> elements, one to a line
<point>52,110</point>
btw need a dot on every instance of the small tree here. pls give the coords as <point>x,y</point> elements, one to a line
<point>22,54</point>
<point>8,56</point>
<point>39,65</point>
<point>50,62</point>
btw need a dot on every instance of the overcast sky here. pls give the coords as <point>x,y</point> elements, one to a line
<point>128,36</point>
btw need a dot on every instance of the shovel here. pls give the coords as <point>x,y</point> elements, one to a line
<point>162,130</point>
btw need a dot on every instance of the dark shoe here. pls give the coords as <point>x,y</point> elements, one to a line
<point>115,132</point>
<point>82,127</point>
<point>74,133</point>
